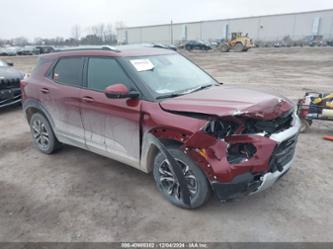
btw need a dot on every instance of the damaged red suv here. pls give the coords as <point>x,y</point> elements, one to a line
<point>156,111</point>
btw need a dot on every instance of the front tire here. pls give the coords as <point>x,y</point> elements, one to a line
<point>224,48</point>
<point>197,182</point>
<point>239,47</point>
<point>42,134</point>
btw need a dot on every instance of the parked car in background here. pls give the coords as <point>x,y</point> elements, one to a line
<point>277,44</point>
<point>156,111</point>
<point>9,51</point>
<point>166,46</point>
<point>44,49</point>
<point>10,77</point>
<point>314,41</point>
<point>214,43</point>
<point>329,43</point>
<point>200,45</point>
<point>27,50</point>
<point>3,52</point>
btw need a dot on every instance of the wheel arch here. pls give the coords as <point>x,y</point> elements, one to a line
<point>33,106</point>
<point>150,150</point>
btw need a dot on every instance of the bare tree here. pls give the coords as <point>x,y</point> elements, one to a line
<point>76,32</point>
<point>98,31</point>
<point>109,34</point>
<point>120,25</point>
<point>95,35</point>
<point>120,36</point>
<point>38,41</point>
<point>20,41</point>
<point>59,40</point>
<point>91,39</point>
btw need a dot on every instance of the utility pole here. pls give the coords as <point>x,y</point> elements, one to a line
<point>171,32</point>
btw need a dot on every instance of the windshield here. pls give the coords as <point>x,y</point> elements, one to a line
<point>169,74</point>
<point>3,64</point>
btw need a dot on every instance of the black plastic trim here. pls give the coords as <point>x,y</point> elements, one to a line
<point>241,185</point>
<point>31,103</point>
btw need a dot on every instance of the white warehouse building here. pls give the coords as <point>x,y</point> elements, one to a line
<point>260,28</point>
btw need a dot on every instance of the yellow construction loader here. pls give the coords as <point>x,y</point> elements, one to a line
<point>238,43</point>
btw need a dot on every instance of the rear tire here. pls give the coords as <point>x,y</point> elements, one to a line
<point>42,134</point>
<point>197,182</point>
<point>239,47</point>
<point>188,48</point>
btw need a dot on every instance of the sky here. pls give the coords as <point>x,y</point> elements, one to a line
<point>52,18</point>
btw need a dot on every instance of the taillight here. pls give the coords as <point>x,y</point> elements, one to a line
<point>23,84</point>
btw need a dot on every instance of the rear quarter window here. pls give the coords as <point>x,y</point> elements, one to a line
<point>68,71</point>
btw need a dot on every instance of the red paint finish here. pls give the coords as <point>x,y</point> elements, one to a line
<point>217,151</point>
<point>89,113</point>
<point>188,131</point>
<point>116,89</point>
<point>229,101</point>
<point>111,123</point>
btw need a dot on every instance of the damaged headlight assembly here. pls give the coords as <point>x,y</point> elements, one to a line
<point>222,129</point>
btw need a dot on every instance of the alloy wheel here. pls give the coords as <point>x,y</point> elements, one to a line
<point>40,134</point>
<point>169,182</point>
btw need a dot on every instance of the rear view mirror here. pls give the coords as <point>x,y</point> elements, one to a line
<point>11,64</point>
<point>119,91</point>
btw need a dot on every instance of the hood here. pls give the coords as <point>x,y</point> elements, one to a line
<point>229,101</point>
<point>10,73</point>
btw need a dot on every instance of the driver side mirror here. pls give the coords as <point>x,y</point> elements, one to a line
<point>120,91</point>
<point>11,64</point>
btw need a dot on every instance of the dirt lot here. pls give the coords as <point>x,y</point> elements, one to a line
<point>76,195</point>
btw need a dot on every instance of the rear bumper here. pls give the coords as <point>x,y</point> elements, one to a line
<point>10,97</point>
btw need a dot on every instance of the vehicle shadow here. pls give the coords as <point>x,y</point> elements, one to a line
<point>321,131</point>
<point>11,108</point>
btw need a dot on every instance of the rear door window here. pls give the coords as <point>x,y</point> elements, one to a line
<point>103,72</point>
<point>68,71</point>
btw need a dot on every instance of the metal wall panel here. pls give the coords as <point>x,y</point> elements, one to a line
<point>275,27</point>
<point>264,28</point>
<point>194,31</point>
<point>156,34</point>
<point>304,24</point>
<point>134,35</point>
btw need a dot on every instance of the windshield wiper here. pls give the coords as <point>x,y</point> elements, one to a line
<point>198,88</point>
<point>171,95</point>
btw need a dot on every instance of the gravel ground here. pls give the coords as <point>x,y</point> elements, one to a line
<point>76,195</point>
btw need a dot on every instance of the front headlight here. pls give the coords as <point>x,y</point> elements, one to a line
<point>220,128</point>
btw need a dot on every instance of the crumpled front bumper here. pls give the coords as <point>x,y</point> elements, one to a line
<point>270,178</point>
<point>247,183</point>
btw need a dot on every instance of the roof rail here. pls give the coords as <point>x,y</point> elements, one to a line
<point>108,48</point>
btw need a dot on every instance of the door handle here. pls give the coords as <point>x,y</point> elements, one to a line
<point>44,90</point>
<point>87,99</point>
